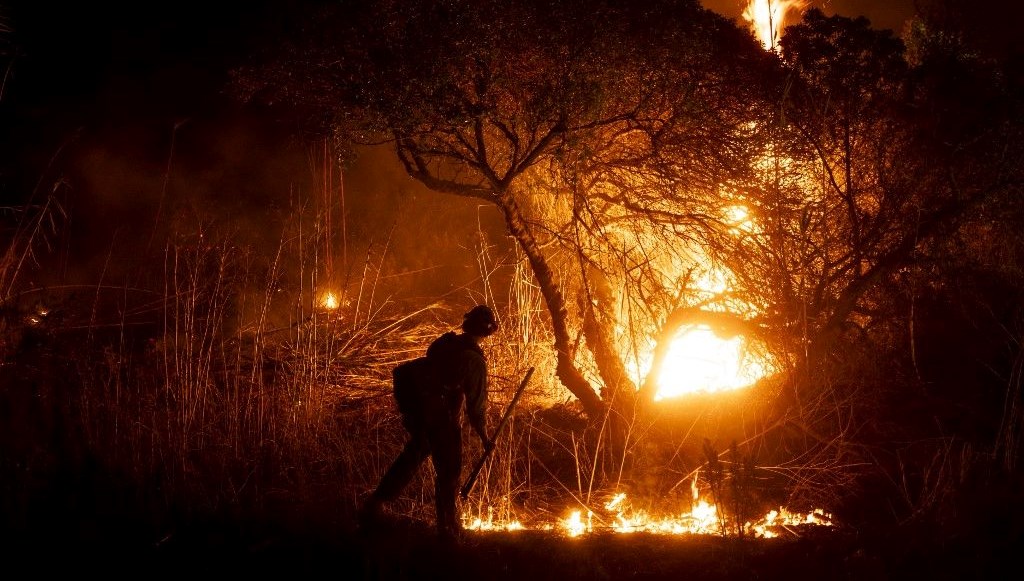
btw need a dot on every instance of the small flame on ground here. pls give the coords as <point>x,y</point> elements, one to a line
<point>328,300</point>
<point>767,18</point>
<point>574,525</point>
<point>703,518</point>
<point>783,518</point>
<point>490,524</point>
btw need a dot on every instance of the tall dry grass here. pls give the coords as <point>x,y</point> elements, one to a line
<point>215,389</point>
<point>222,394</point>
<point>227,397</point>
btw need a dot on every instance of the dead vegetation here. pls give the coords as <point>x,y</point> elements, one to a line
<point>193,417</point>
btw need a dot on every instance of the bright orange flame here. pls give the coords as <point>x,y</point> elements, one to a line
<point>767,18</point>
<point>697,360</point>
<point>700,361</point>
<point>574,525</point>
<point>329,300</point>
<point>702,518</point>
<point>479,523</point>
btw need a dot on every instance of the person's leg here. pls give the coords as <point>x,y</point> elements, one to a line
<point>446,454</point>
<point>400,473</point>
<point>402,469</point>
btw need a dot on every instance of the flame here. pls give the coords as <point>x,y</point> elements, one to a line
<point>574,525</point>
<point>329,300</point>
<point>767,18</point>
<point>698,361</point>
<point>490,523</point>
<point>702,518</point>
<point>783,518</point>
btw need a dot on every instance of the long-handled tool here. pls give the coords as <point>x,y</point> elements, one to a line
<point>468,486</point>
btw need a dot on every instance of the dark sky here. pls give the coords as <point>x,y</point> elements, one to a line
<point>100,91</point>
<point>80,65</point>
<point>86,66</point>
<point>80,62</point>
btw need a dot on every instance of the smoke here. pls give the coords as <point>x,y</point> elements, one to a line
<point>121,116</point>
<point>433,241</point>
<point>133,187</point>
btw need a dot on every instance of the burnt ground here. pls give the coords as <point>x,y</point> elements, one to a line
<point>402,549</point>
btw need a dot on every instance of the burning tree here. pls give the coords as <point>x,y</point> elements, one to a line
<point>602,135</point>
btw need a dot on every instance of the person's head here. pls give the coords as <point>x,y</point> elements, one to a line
<point>479,322</point>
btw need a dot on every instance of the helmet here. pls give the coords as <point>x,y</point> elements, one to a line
<point>479,321</point>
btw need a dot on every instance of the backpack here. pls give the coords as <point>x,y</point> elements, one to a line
<point>410,379</point>
<point>415,379</point>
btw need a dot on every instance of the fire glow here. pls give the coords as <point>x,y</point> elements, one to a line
<point>702,518</point>
<point>767,18</point>
<point>328,300</point>
<point>699,361</point>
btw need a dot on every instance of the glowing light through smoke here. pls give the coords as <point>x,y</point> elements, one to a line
<point>740,220</point>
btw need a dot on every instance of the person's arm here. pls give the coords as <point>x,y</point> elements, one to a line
<point>476,398</point>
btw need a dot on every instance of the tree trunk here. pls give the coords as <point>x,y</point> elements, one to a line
<point>566,369</point>
<point>599,333</point>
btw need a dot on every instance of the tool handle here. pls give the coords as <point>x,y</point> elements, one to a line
<point>468,486</point>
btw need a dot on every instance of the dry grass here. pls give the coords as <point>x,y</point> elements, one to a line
<point>217,397</point>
